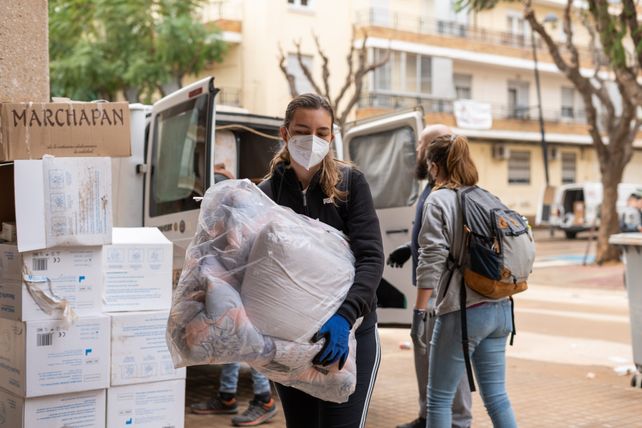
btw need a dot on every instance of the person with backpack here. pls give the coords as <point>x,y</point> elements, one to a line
<point>422,323</point>
<point>305,176</point>
<point>468,239</point>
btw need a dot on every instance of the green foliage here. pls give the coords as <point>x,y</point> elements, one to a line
<point>476,5</point>
<point>100,47</point>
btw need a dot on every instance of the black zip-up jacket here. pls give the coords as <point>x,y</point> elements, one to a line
<point>356,218</point>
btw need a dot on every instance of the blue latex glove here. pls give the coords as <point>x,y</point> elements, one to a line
<point>336,332</point>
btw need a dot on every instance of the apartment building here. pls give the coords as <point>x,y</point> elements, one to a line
<point>474,72</point>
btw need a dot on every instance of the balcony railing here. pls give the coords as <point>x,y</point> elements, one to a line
<point>229,97</point>
<point>215,10</point>
<point>435,105</point>
<point>416,23</point>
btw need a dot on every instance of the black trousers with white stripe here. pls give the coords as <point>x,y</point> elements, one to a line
<point>304,411</point>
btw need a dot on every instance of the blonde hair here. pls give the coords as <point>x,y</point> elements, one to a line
<point>331,174</point>
<point>452,155</point>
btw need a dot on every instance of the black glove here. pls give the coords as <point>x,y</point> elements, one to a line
<point>418,328</point>
<point>399,256</point>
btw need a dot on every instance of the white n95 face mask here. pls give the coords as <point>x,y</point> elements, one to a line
<point>308,150</point>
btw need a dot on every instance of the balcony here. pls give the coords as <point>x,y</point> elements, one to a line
<point>565,120</point>
<point>226,16</point>
<point>229,96</point>
<point>387,24</point>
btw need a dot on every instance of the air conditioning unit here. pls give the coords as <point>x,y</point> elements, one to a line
<point>500,151</point>
<point>553,153</point>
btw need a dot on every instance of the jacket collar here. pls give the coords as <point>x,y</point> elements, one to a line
<point>287,174</point>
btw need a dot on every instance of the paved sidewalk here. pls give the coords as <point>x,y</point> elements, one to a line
<point>543,394</point>
<point>573,331</point>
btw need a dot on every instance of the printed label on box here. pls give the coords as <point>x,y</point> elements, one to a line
<point>153,405</point>
<point>47,357</point>
<point>139,349</point>
<point>73,274</point>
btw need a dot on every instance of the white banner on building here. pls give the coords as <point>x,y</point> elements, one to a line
<point>473,115</point>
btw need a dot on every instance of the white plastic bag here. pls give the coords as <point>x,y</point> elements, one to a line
<point>258,281</point>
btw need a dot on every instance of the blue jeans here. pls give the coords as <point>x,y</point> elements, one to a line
<point>230,379</point>
<point>488,327</point>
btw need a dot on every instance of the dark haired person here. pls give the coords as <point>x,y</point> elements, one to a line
<point>450,167</point>
<point>306,177</point>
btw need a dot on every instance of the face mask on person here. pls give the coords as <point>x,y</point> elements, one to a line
<point>308,150</point>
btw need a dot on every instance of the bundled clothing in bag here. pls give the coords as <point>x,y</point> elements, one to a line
<point>256,286</point>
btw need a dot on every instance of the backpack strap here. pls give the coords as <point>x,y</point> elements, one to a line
<point>461,202</point>
<point>512,317</point>
<point>464,336</point>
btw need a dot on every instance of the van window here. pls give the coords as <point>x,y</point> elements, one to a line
<point>388,159</point>
<point>178,159</point>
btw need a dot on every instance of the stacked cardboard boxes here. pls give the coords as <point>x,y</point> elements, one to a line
<point>145,389</point>
<point>54,337</point>
<point>67,277</point>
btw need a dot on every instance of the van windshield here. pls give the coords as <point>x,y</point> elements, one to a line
<point>179,157</point>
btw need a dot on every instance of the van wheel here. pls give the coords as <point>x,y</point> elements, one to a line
<point>570,235</point>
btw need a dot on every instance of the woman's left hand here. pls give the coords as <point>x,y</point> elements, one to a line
<point>336,332</point>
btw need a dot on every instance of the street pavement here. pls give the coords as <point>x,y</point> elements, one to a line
<point>568,367</point>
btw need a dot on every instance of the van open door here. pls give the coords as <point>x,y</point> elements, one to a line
<point>178,147</point>
<point>546,206</point>
<point>384,149</point>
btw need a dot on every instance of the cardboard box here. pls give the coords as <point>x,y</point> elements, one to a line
<point>152,405</point>
<point>73,274</point>
<point>138,349</point>
<point>48,357</point>
<point>63,202</point>
<point>81,409</point>
<point>32,130</point>
<point>138,270</point>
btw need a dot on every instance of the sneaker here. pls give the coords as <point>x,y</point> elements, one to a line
<point>417,423</point>
<point>216,406</point>
<point>256,414</point>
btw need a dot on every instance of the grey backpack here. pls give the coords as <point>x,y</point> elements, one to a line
<point>499,243</point>
<point>497,255</point>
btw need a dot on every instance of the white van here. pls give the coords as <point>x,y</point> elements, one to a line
<point>177,142</point>
<point>575,207</point>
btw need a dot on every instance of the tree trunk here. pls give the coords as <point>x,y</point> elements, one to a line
<point>609,221</point>
<point>169,87</point>
<point>132,94</point>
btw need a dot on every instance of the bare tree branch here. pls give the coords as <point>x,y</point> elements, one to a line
<point>572,72</point>
<point>630,17</point>
<point>568,31</point>
<point>618,138</point>
<point>306,71</point>
<point>326,69</point>
<point>288,76</point>
<point>349,76</point>
<point>597,54</point>
<point>363,69</point>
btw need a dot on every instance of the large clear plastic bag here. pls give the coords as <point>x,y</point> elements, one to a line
<point>258,282</point>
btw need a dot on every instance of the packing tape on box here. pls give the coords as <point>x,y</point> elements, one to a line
<point>48,302</point>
